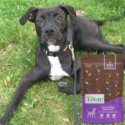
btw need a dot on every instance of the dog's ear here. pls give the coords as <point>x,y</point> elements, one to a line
<point>69,10</point>
<point>29,15</point>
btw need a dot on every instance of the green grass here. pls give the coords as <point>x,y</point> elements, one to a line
<point>43,104</point>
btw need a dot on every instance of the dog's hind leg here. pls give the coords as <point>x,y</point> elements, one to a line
<point>70,90</point>
<point>95,44</point>
<point>102,52</point>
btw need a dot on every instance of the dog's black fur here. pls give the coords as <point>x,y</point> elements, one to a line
<point>54,27</point>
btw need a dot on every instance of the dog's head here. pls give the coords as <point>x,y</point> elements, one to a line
<point>51,23</point>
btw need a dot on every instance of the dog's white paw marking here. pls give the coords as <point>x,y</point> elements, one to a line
<point>124,71</point>
<point>63,84</point>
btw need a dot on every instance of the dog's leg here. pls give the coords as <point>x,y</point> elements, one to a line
<point>102,52</point>
<point>94,44</point>
<point>31,77</point>
<point>40,70</point>
<point>69,90</point>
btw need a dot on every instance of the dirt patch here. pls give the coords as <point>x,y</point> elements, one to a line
<point>80,12</point>
<point>9,47</point>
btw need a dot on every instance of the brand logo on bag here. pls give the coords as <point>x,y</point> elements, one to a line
<point>109,65</point>
<point>94,98</point>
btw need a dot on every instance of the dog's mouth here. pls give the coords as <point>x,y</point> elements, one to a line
<point>51,41</point>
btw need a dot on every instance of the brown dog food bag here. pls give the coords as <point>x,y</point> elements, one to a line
<point>102,87</point>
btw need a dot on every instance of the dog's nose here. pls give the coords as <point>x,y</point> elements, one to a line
<point>49,31</point>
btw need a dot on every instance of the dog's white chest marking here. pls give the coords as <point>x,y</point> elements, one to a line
<point>56,70</point>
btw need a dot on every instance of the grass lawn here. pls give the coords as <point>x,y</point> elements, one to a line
<point>43,104</point>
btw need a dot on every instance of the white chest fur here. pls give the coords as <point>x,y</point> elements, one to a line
<point>56,70</point>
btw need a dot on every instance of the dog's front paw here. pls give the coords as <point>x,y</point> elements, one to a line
<point>62,84</point>
<point>64,88</point>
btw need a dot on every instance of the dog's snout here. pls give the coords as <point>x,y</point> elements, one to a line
<point>49,31</point>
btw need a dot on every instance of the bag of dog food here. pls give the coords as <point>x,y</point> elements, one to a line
<point>102,86</point>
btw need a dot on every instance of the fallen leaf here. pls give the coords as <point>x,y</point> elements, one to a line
<point>26,104</point>
<point>5,81</point>
<point>8,78</point>
<point>80,12</point>
<point>1,51</point>
<point>34,86</point>
<point>9,47</point>
<point>29,50</point>
<point>8,83</point>
<point>119,40</point>
<point>34,32</point>
<point>66,120</point>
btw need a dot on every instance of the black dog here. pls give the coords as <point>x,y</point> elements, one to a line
<point>53,58</point>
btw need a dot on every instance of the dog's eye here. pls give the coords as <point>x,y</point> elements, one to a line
<point>40,21</point>
<point>59,18</point>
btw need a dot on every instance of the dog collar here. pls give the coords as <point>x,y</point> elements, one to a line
<point>60,52</point>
